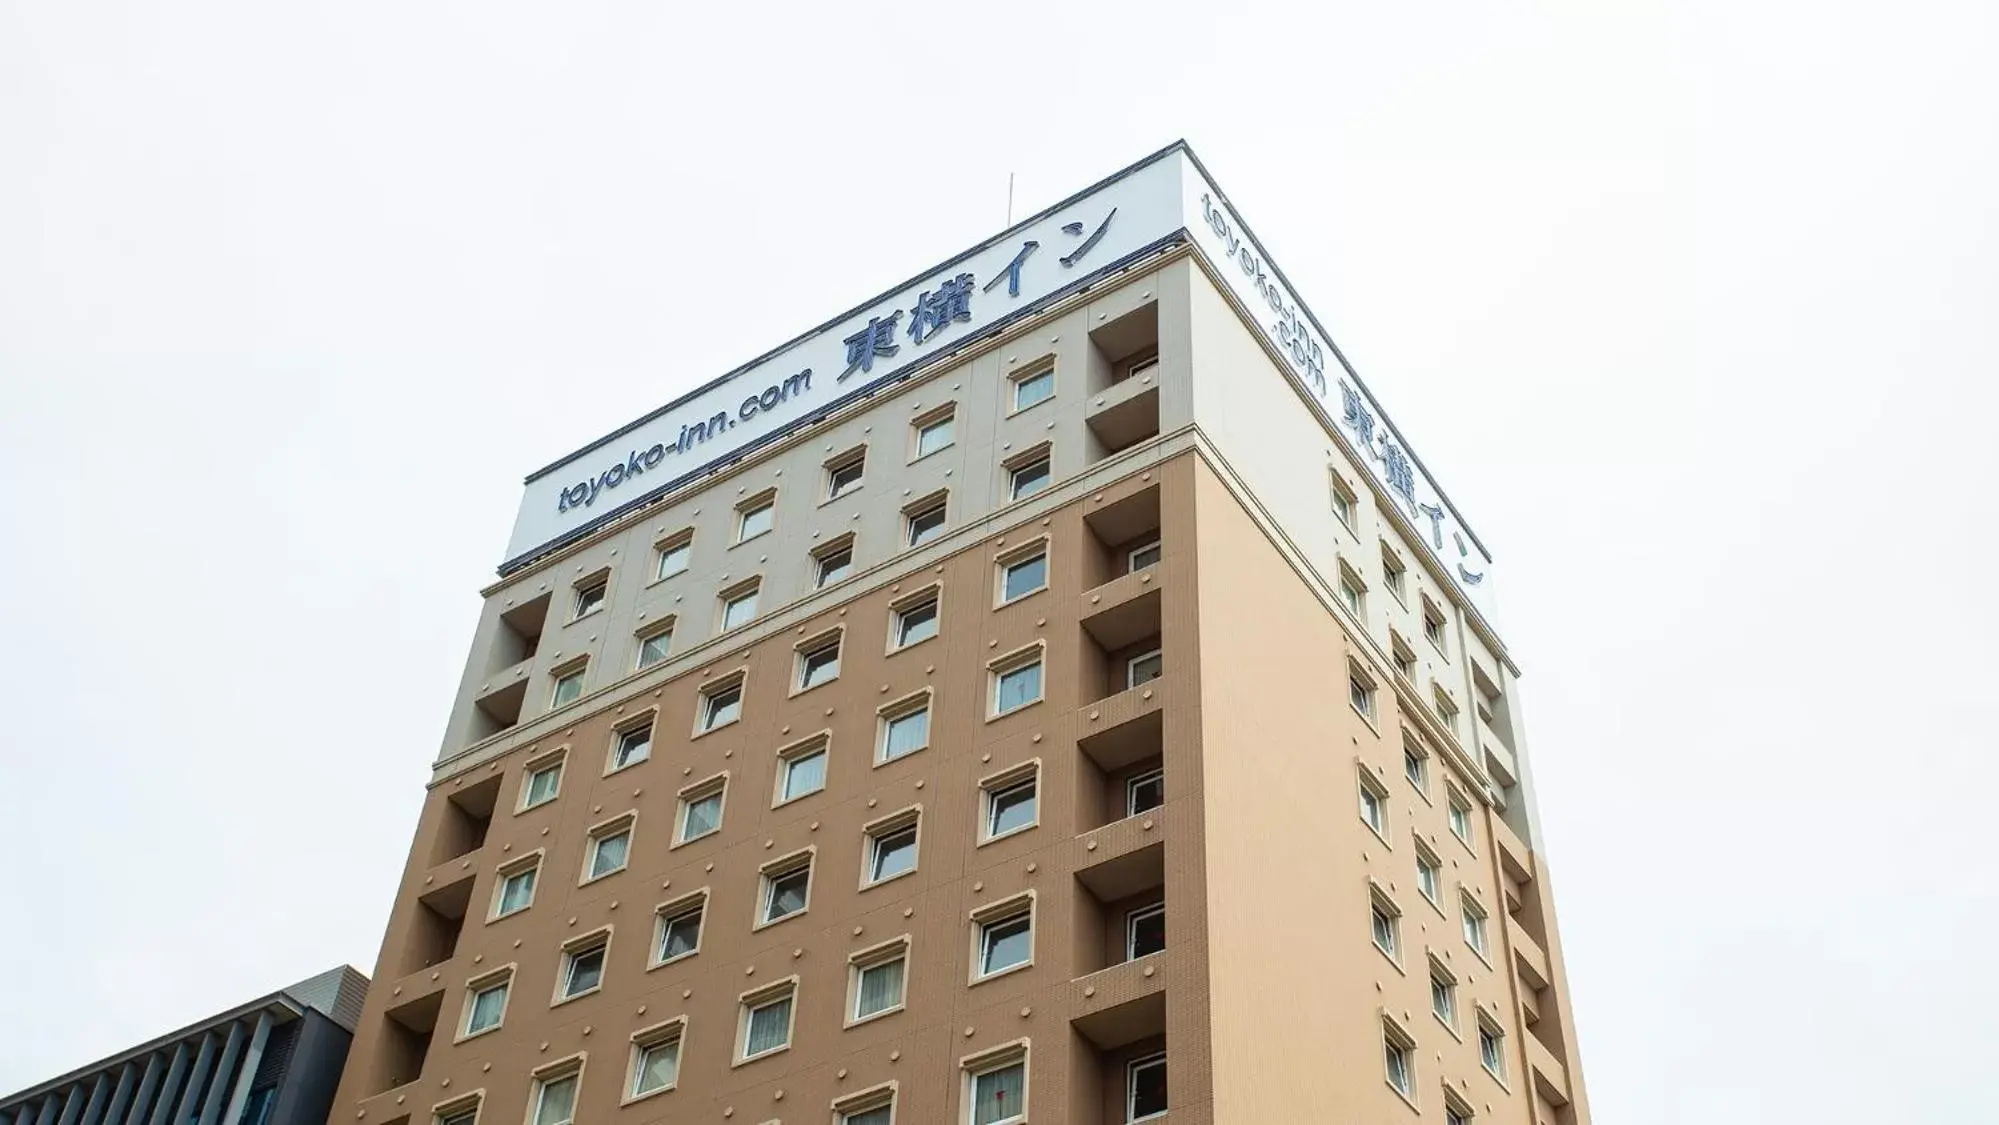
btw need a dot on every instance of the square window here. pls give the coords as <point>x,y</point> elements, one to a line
<point>632,746</point>
<point>590,597</point>
<point>739,607</point>
<point>756,517</point>
<point>999,1095</point>
<point>1429,874</point>
<point>486,1006</point>
<point>1141,557</point>
<point>1017,685</point>
<point>543,785</point>
<point>568,685</point>
<point>1011,807</point>
<point>674,555</point>
<point>1145,1088</point>
<point>879,980</point>
<point>1028,478</point>
<point>891,852</point>
<point>1145,792</point>
<point>819,662</point>
<point>801,771</point>
<point>833,563</point>
<point>1382,918</point>
<point>1491,1048</point>
<point>845,475</point>
<point>1144,668</point>
<point>1360,693</point>
<point>905,731</point>
<point>1416,767</point>
<point>1343,501</point>
<point>655,1062</point>
<point>583,967</point>
<point>787,890</point>
<point>1461,824</point>
<point>1474,926</point>
<point>555,1099</point>
<point>610,848</point>
<point>926,522</point>
<point>701,810</point>
<point>653,646</point>
<point>1020,577</point>
<point>516,890</point>
<point>1373,806</point>
<point>679,931</point>
<point>933,433</point>
<point>767,1024</point>
<point>1443,995</point>
<point>1006,942</point>
<point>722,705</point>
<point>916,621</point>
<point>1144,932</point>
<point>1033,387</point>
<point>1400,1057</point>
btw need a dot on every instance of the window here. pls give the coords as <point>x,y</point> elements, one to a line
<point>1351,592</point>
<point>632,745</point>
<point>701,809</point>
<point>818,661</point>
<point>1136,367</point>
<point>1491,1047</point>
<point>544,783</point>
<point>891,848</point>
<point>926,520</point>
<point>801,770</point>
<point>1443,995</point>
<point>1145,1088</point>
<point>261,1099</point>
<point>1429,874</point>
<point>767,1020</point>
<point>1144,792</point>
<point>1433,624</point>
<point>1343,500</point>
<point>1461,825</point>
<point>1006,938</point>
<point>1023,574</point>
<point>787,888</point>
<point>1399,1052</point>
<point>679,929</point>
<point>1383,917</point>
<point>1455,1112</point>
<point>845,473</point>
<point>1474,925</point>
<point>998,1092</point>
<point>1025,478</point>
<point>1360,693</point>
<point>1415,766</point>
<point>1373,805</point>
<point>568,685</point>
<point>1141,557</point>
<point>1017,682</point>
<point>739,605</point>
<point>1144,931</point>
<point>590,595</point>
<point>555,1099</point>
<point>905,729</point>
<point>583,966</point>
<point>1393,574</point>
<point>1447,713</point>
<point>915,620</point>
<point>1144,668</point>
<point>878,979</point>
<point>833,562</point>
<point>881,1114</point>
<point>516,890</point>
<point>610,847</point>
<point>722,704</point>
<point>1033,387</point>
<point>653,646</point>
<point>756,516</point>
<point>933,432</point>
<point>674,554</point>
<point>1405,660</point>
<point>1010,802</point>
<point>655,1060</point>
<point>486,1004</point>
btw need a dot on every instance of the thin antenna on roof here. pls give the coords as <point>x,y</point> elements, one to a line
<point>1009,199</point>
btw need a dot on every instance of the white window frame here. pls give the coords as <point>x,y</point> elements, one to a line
<point>569,1071</point>
<point>1460,817</point>
<point>994,1062</point>
<point>1385,917</point>
<point>707,706</point>
<point>598,584</point>
<point>1396,1043</point>
<point>1444,983</point>
<point>716,787</point>
<point>529,866</point>
<point>1488,1030</point>
<point>1431,889</point>
<point>625,826</point>
<point>865,961</point>
<point>750,593</point>
<point>790,757</point>
<point>1014,560</point>
<point>1361,690</point>
<point>1020,380</point>
<point>904,610</point>
<point>896,824</point>
<point>915,515</point>
<point>681,544</point>
<point>843,546</point>
<point>1372,796</point>
<point>1019,468</point>
<point>551,764</point>
<point>750,1003</point>
<point>694,905</point>
<point>1131,565</point>
<point>812,649</point>
<point>891,714</point>
<point>920,426</point>
<point>1131,920</point>
<point>852,459</point>
<point>999,785</point>
<point>672,1033</point>
<point>1474,925</point>
<point>581,946</point>
<point>661,632</point>
<point>1131,679</point>
<point>761,504</point>
<point>1344,500</point>
<point>569,673</point>
<point>986,922</point>
<point>1132,785</point>
<point>775,872</point>
<point>502,982</point>
<point>1131,1070</point>
<point>1034,656</point>
<point>619,735</point>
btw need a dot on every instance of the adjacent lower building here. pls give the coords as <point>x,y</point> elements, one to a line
<point>1050,691</point>
<point>272,1061</point>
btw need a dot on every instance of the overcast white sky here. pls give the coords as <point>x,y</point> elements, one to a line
<point>1689,305</point>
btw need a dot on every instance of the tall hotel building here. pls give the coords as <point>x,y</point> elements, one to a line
<point>1051,691</point>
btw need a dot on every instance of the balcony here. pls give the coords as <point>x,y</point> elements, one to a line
<point>1528,957</point>
<point>1119,771</point>
<point>1496,756</point>
<point>1124,537</point>
<point>1120,906</point>
<point>1124,414</point>
<point>1551,1078</point>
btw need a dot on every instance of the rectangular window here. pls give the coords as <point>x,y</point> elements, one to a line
<point>891,849</point>
<point>583,966</point>
<point>1405,660</point>
<point>1429,874</point>
<point>1145,1088</point>
<point>1145,792</point>
<point>925,519</point>
<point>1400,1055</point>
<point>609,849</point>
<point>801,770</point>
<point>544,784</point>
<point>1023,574</point>
<point>846,472</point>
<point>1141,557</point>
<point>679,929</point>
<point>787,888</point>
<point>1136,367</point>
<point>1461,824</point>
<point>1017,683</point>
<point>739,604</point>
<point>1033,387</point>
<point>555,1099</point>
<point>767,1021</point>
<point>905,729</point>
<point>1455,1112</point>
<point>1393,574</point>
<point>1351,592</point>
<point>1027,477</point>
<point>1144,668</point>
<point>260,1103</point>
<point>1416,766</point>
<point>818,661</point>
<point>879,1115</point>
<point>590,596</point>
<point>932,432</point>
<point>999,1094</point>
<point>1373,805</point>
<point>1010,802</point>
<point>655,1060</point>
<point>1383,918</point>
<point>701,809</point>
<point>1443,995</point>
<point>1474,925</point>
<point>1447,713</point>
<point>653,646</point>
<point>1343,500</point>
<point>1360,693</point>
<point>721,704</point>
<point>833,562</point>
<point>568,685</point>
<point>674,555</point>
<point>632,745</point>
<point>878,979</point>
<point>915,620</point>
<point>756,516</point>
<point>516,889</point>
<point>1491,1048</point>
<point>1144,932</point>
<point>486,1005</point>
<point>1433,625</point>
<point>1006,940</point>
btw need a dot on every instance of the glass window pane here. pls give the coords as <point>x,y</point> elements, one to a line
<point>1019,687</point>
<point>787,894</point>
<point>917,623</point>
<point>933,437</point>
<point>756,521</point>
<point>997,1095</point>
<point>835,566</point>
<point>906,734</point>
<point>609,855</point>
<point>926,525</point>
<point>568,688</point>
<point>805,774</point>
<point>673,560</point>
<point>653,649</point>
<point>725,706</point>
<point>770,1027</point>
<point>634,746</point>
<point>1025,577</point>
<point>895,853</point>
<point>1148,1089</point>
<point>819,666</point>
<point>658,1065</point>
<point>880,988</point>
<point>680,936</point>
<point>1145,932</point>
<point>1011,809</point>
<point>740,610</point>
<point>1145,792</point>
<point>543,784</point>
<point>879,1116</point>
<point>517,891</point>
<point>586,971</point>
<point>1144,556</point>
<point>1007,944</point>
<point>558,1101</point>
<point>1035,388</point>
<point>704,815</point>
<point>1030,479</point>
<point>1145,669</point>
<point>486,1008</point>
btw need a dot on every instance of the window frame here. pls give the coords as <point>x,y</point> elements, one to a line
<point>995,785</point>
<point>1131,1070</point>
<point>909,820</point>
<point>760,999</point>
<point>1473,918</point>
<point>1353,591</point>
<point>572,672</point>
<point>502,980</point>
<point>1384,918</point>
<point>641,725</point>
<point>666,1033</point>
<point>596,941</point>
<point>1132,783</point>
<point>987,920</point>
<point>1403,657</point>
<point>1362,692</point>
<point>564,1070</point>
<point>1494,1061</point>
<point>1011,560</point>
<point>1022,378</point>
<point>776,871</point>
<point>855,458</point>
<point>762,503</point>
<point>749,590</point>
<point>1131,664</point>
<point>813,648</point>
<point>707,695</point>
<point>1459,816</point>
<point>889,714</point>
<point>1397,1043</point>
<point>1394,575</point>
<point>624,824</point>
<point>860,963</point>
<point>818,745</point>
<point>529,865</point>
<point>1416,754</point>
<point>1371,788</point>
<point>693,904</point>
<point>945,415</point>
<point>901,610</point>
<point>914,514</point>
<point>1430,861</point>
<point>681,542</point>
<point>1344,500</point>
<point>1021,465</point>
<point>1131,556</point>
<point>554,762</point>
<point>716,786</point>
<point>599,584</point>
<point>1019,660</point>
<point>995,1061</point>
<point>825,553</point>
<point>661,630</point>
<point>1131,920</point>
<point>1444,985</point>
